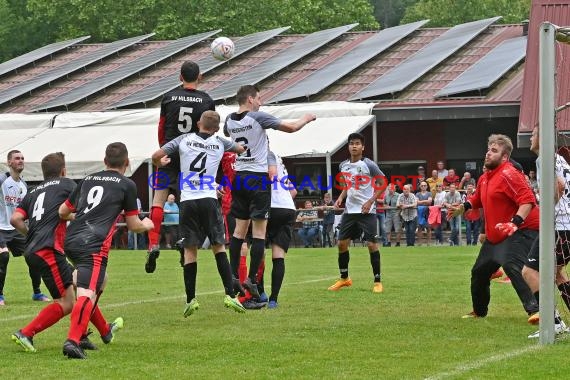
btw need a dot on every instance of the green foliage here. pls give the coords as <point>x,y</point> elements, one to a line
<point>454,12</point>
<point>29,24</point>
<point>390,12</point>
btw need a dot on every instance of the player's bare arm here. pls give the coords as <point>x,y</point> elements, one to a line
<point>294,126</point>
<point>65,212</point>
<point>138,226</point>
<point>18,220</point>
<point>160,159</point>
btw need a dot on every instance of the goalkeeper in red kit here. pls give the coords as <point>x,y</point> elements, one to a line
<point>511,225</point>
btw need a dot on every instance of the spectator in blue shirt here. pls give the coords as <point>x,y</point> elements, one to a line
<point>171,216</point>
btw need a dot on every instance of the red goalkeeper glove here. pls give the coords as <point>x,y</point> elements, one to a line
<point>507,228</point>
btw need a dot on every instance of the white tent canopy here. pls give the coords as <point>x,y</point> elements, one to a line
<point>83,136</point>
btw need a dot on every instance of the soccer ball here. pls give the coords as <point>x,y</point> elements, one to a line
<point>222,48</point>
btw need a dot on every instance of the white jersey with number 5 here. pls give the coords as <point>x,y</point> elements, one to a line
<point>248,129</point>
<point>200,156</point>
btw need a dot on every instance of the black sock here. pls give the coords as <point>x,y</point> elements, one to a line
<point>260,277</point>
<point>375,262</point>
<point>225,272</point>
<point>565,293</point>
<point>190,271</point>
<point>256,255</point>
<point>536,297</point>
<point>343,259</point>
<point>277,275</point>
<point>235,254</point>
<point>4,259</point>
<point>36,280</point>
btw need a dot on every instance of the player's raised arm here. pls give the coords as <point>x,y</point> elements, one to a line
<point>294,126</point>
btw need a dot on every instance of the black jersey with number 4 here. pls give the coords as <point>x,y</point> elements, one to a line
<point>180,111</point>
<point>40,206</point>
<point>98,201</point>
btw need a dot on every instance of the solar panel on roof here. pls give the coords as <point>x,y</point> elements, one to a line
<point>344,65</point>
<point>37,54</point>
<point>126,70</point>
<point>157,89</point>
<point>424,60</point>
<point>488,69</point>
<point>68,68</point>
<point>279,61</point>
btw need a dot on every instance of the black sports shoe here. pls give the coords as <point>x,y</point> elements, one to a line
<point>238,289</point>
<point>85,343</point>
<point>252,304</point>
<point>179,245</point>
<point>251,287</point>
<point>151,257</point>
<point>73,351</point>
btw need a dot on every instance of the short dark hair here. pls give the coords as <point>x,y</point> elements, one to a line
<point>246,91</point>
<point>53,164</point>
<point>190,71</point>
<point>11,153</point>
<point>356,136</point>
<point>116,154</point>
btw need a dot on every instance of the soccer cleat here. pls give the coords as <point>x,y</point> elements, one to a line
<point>25,342</point>
<point>85,343</point>
<point>179,245</point>
<point>534,318</point>
<point>234,304</point>
<point>498,274</point>
<point>151,257</point>
<point>191,307</point>
<point>471,315</point>
<point>251,304</point>
<point>2,303</point>
<point>263,297</point>
<point>251,287</point>
<point>341,283</point>
<point>238,289</point>
<point>115,326</point>
<point>378,288</point>
<point>40,297</point>
<point>559,328</point>
<point>73,351</point>
<point>272,304</point>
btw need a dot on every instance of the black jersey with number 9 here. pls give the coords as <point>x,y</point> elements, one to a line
<point>98,201</point>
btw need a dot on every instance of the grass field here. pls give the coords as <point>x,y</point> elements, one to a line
<point>411,331</point>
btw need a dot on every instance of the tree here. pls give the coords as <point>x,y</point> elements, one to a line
<point>454,12</point>
<point>390,12</point>
<point>34,23</point>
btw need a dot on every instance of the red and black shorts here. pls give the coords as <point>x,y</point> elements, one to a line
<point>56,271</point>
<point>91,269</point>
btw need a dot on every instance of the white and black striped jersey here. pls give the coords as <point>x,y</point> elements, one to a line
<point>12,192</point>
<point>280,195</point>
<point>200,156</point>
<point>248,129</point>
<point>359,190</point>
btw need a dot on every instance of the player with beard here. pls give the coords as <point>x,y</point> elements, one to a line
<point>511,225</point>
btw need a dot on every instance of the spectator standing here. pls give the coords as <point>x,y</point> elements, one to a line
<point>441,170</point>
<point>452,200</point>
<point>393,219</point>
<point>451,178</point>
<point>171,218</point>
<point>408,204</point>
<point>472,219</point>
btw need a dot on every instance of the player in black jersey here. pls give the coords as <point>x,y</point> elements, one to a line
<point>180,111</point>
<point>44,245</point>
<point>94,207</point>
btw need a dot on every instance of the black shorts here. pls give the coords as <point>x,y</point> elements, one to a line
<point>91,269</point>
<point>15,241</point>
<point>251,196</point>
<point>201,218</point>
<point>561,249</point>
<point>280,227</point>
<point>352,226</point>
<point>55,270</point>
<point>168,176</point>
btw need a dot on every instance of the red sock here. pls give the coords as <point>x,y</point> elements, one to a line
<point>242,272</point>
<point>47,317</point>
<point>156,215</point>
<point>99,321</point>
<point>260,271</point>
<point>80,316</point>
